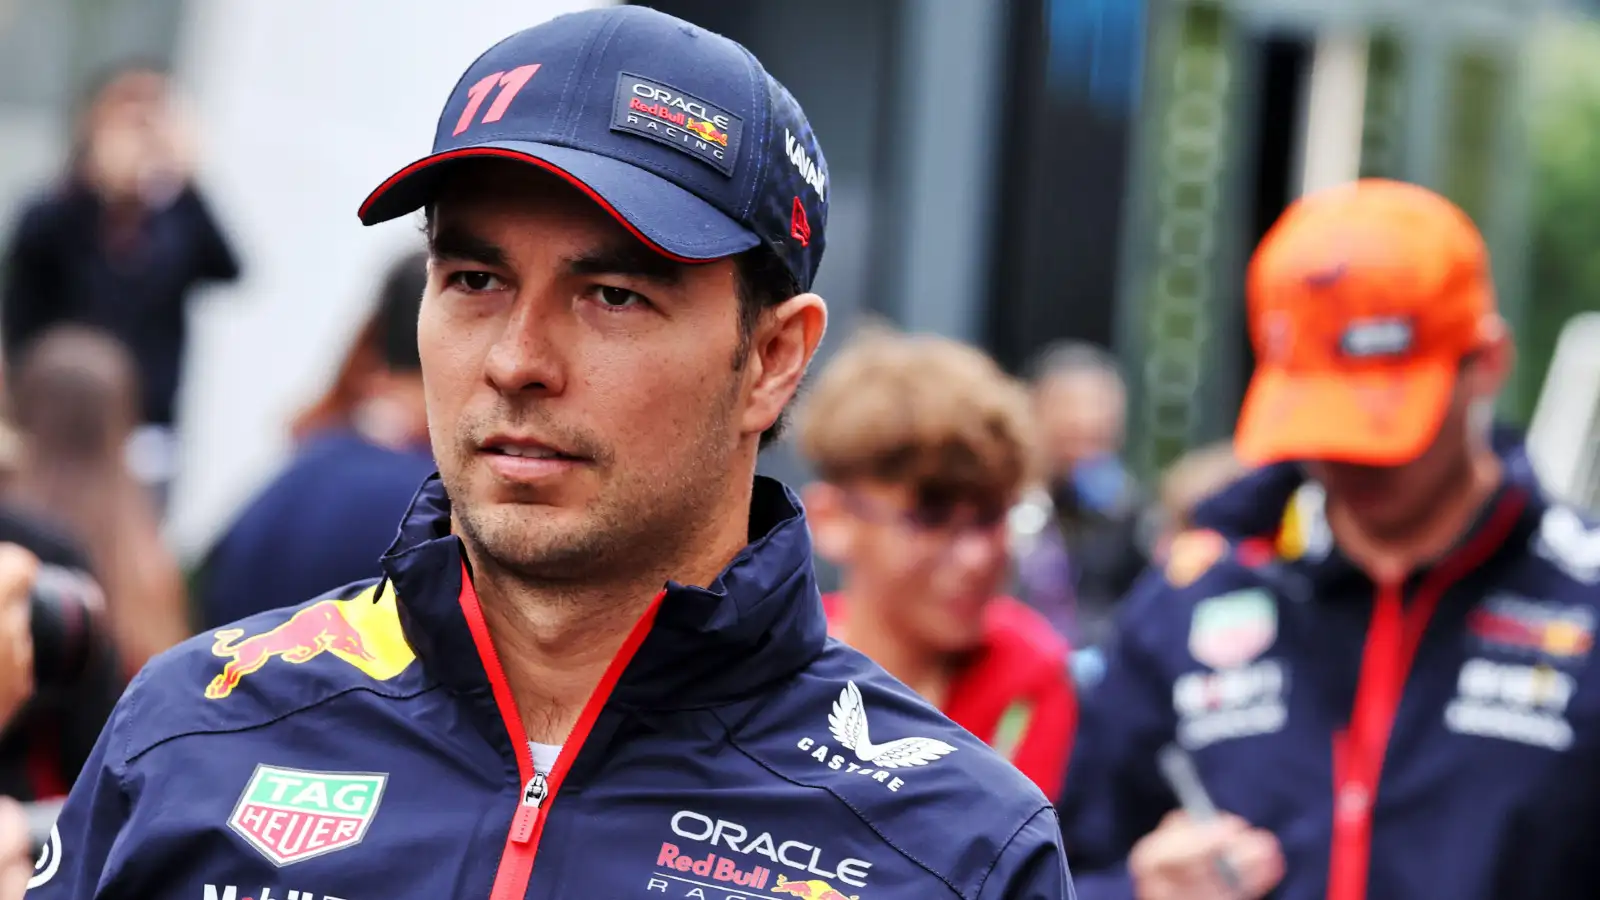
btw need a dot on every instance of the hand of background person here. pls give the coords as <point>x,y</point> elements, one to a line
<point>18,568</point>
<point>142,154</point>
<point>1178,860</point>
<point>170,158</point>
<point>16,858</point>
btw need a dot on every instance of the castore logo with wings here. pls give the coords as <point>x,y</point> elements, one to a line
<point>847,722</point>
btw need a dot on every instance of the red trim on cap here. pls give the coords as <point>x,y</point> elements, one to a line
<point>502,153</point>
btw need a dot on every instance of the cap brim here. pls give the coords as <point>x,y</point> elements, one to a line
<point>668,218</point>
<point>1375,418</point>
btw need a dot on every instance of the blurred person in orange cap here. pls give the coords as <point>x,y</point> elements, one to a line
<point>923,445</point>
<point>1389,695</point>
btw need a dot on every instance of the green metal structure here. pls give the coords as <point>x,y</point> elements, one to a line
<point>1442,108</point>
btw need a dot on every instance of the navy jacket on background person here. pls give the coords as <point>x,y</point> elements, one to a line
<point>58,270</point>
<point>365,745</point>
<point>333,511</point>
<point>1471,771</point>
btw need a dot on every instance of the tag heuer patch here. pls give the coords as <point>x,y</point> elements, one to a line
<point>291,814</point>
<point>1233,629</point>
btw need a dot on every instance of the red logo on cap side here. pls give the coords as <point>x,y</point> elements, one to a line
<point>799,228</point>
<point>510,83</point>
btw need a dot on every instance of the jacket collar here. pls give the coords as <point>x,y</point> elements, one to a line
<point>758,622</point>
<point>1277,508</point>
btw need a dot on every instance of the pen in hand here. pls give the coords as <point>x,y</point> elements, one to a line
<point>1179,771</point>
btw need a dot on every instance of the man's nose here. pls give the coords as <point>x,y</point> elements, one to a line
<point>528,355</point>
<point>978,548</point>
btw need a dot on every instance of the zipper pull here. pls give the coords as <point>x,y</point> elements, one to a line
<point>533,795</point>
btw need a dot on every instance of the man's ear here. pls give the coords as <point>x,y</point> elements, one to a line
<point>832,529</point>
<point>1492,366</point>
<point>784,343</point>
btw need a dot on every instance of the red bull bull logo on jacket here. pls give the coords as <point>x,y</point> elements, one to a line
<point>810,890</point>
<point>362,631</point>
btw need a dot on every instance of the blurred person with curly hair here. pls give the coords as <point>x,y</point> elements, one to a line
<point>922,445</point>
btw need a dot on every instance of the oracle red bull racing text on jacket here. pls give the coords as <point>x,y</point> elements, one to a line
<point>364,747</point>
<point>1438,738</point>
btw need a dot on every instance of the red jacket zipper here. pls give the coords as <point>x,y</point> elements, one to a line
<point>1393,637</point>
<point>538,792</point>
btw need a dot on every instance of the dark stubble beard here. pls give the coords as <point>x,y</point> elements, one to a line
<point>638,525</point>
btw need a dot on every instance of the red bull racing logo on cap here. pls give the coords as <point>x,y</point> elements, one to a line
<point>666,115</point>
<point>362,631</point>
<point>707,131</point>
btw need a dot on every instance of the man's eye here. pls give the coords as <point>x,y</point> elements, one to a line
<point>475,281</point>
<point>618,298</point>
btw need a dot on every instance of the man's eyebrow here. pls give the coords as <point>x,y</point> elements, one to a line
<point>460,245</point>
<point>630,259</point>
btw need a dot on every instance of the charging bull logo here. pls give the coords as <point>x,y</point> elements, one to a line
<point>707,131</point>
<point>363,631</point>
<point>810,890</point>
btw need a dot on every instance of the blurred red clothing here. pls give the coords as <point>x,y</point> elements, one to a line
<point>1014,692</point>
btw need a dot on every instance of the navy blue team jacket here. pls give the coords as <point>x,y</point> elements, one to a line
<point>1438,738</point>
<point>364,746</point>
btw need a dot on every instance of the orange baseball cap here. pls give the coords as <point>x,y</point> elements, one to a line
<point>1363,300</point>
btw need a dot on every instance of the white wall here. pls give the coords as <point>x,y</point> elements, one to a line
<point>303,107</point>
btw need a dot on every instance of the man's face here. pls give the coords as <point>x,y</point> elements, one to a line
<point>1394,501</point>
<point>1081,416</point>
<point>582,391</point>
<point>135,98</point>
<point>934,571</point>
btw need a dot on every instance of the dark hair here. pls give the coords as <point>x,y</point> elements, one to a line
<point>1072,358</point>
<point>399,305</point>
<point>762,282</point>
<point>76,393</point>
<point>386,341</point>
<point>105,76</point>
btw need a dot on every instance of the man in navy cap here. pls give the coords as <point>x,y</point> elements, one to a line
<point>596,664</point>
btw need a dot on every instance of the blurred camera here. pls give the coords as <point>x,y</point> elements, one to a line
<point>67,606</point>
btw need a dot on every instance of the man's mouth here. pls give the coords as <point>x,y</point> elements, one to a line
<point>526,459</point>
<point>528,452</point>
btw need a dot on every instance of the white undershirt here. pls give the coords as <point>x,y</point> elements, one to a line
<point>544,756</point>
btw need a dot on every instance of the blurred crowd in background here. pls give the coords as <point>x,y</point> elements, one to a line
<point>1089,382</point>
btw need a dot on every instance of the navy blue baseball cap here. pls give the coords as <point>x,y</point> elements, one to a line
<point>677,132</point>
